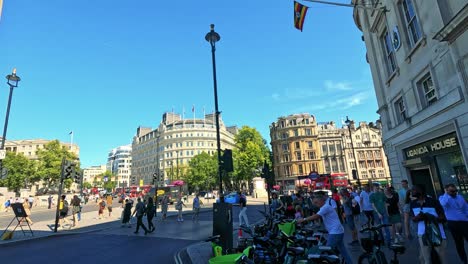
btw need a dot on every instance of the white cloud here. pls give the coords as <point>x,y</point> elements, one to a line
<point>340,103</point>
<point>337,86</point>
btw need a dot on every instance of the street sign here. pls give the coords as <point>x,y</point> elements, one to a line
<point>2,154</point>
<point>106,179</point>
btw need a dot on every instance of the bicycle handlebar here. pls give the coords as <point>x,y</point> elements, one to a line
<point>374,228</point>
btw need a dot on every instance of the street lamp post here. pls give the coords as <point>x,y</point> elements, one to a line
<point>13,80</point>
<point>348,123</point>
<point>158,172</point>
<point>212,37</point>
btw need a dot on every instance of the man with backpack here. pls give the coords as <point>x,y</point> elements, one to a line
<point>140,210</point>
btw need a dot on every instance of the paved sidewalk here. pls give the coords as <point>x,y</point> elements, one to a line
<point>89,223</point>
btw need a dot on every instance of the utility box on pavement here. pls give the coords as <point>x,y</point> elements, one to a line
<point>222,224</point>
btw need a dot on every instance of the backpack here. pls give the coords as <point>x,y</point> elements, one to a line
<point>65,207</point>
<point>355,207</point>
<point>7,203</point>
<point>178,206</point>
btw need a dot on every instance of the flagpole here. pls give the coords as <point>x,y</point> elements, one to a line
<point>204,117</point>
<point>193,107</point>
<point>347,5</point>
<point>183,116</point>
<point>71,141</point>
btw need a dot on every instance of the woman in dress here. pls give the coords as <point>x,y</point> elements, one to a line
<point>127,212</point>
<point>75,203</point>
<point>164,205</point>
<point>27,211</point>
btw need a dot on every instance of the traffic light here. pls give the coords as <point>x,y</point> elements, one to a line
<point>77,177</point>
<point>226,161</point>
<point>354,173</point>
<point>68,170</point>
<point>133,181</point>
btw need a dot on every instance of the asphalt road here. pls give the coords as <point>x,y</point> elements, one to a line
<point>42,213</point>
<point>117,244</point>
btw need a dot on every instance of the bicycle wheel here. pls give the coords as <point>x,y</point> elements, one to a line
<point>367,258</point>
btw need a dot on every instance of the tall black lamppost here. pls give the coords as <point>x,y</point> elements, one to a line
<point>348,123</point>
<point>13,80</point>
<point>212,37</point>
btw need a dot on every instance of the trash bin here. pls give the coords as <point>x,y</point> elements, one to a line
<point>222,225</point>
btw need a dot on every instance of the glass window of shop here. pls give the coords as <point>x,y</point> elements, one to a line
<point>452,169</point>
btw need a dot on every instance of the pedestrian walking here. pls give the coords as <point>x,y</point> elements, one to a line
<point>332,223</point>
<point>7,204</point>
<point>101,207</point>
<point>404,195</point>
<point>49,202</point>
<point>30,199</point>
<point>348,210</point>
<point>243,210</point>
<point>127,213</point>
<point>109,201</point>
<point>150,212</point>
<point>27,211</point>
<point>164,206</point>
<point>277,205</point>
<point>196,207</point>
<point>139,211</point>
<point>394,213</point>
<point>421,210</point>
<point>456,211</point>
<point>366,205</point>
<point>377,200</point>
<point>63,211</point>
<point>75,204</point>
<point>178,207</point>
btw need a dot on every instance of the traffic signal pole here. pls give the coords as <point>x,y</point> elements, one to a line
<point>59,199</point>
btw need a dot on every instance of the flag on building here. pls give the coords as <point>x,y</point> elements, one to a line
<point>71,132</point>
<point>300,12</point>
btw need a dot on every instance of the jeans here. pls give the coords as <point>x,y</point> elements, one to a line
<point>425,252</point>
<point>140,223</point>
<point>459,230</point>
<point>243,217</point>
<point>336,241</point>
<point>384,220</point>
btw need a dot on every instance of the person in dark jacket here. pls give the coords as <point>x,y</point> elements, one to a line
<point>150,211</point>
<point>127,213</point>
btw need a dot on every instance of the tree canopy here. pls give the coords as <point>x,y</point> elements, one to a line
<point>21,172</point>
<point>202,171</point>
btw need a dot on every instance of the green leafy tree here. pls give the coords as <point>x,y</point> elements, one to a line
<point>21,172</point>
<point>202,172</point>
<point>50,161</point>
<point>109,185</point>
<point>249,155</point>
<point>87,185</point>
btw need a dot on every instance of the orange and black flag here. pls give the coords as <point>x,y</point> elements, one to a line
<point>300,12</point>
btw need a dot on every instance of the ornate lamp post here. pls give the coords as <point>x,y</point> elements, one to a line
<point>348,123</point>
<point>13,80</point>
<point>212,37</point>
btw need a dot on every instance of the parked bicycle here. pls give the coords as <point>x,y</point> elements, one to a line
<point>372,246</point>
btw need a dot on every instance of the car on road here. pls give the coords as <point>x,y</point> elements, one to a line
<point>231,198</point>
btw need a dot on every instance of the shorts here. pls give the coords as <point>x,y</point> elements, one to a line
<point>109,208</point>
<point>63,214</point>
<point>394,219</point>
<point>406,208</point>
<point>350,222</point>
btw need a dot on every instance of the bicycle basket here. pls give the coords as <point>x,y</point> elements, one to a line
<point>288,228</point>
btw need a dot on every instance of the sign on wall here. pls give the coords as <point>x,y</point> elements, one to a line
<point>432,147</point>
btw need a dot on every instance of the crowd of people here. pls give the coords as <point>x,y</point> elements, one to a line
<point>412,214</point>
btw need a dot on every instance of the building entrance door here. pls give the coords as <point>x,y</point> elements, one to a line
<point>423,177</point>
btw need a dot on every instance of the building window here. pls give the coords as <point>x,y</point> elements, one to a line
<point>427,90</point>
<point>297,145</point>
<point>310,144</point>
<point>311,155</point>
<point>412,24</point>
<point>381,174</point>
<point>285,147</point>
<point>390,62</point>
<point>284,135</point>
<point>324,149</point>
<point>373,174</point>
<point>362,164</point>
<point>301,169</point>
<point>308,132</point>
<point>363,174</point>
<point>353,165</point>
<point>306,121</point>
<point>286,158</point>
<point>287,170</point>
<point>296,132</point>
<point>378,163</point>
<point>298,155</point>
<point>334,165</point>
<point>400,110</point>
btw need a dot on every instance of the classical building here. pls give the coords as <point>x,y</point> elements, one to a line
<point>29,147</point>
<point>331,143</point>
<point>418,55</point>
<point>365,153</point>
<point>169,147</point>
<point>90,173</point>
<point>119,163</point>
<point>296,150</point>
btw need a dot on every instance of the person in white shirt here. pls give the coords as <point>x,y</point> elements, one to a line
<point>332,224</point>
<point>366,205</point>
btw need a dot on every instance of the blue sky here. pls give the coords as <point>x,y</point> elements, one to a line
<point>103,68</point>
